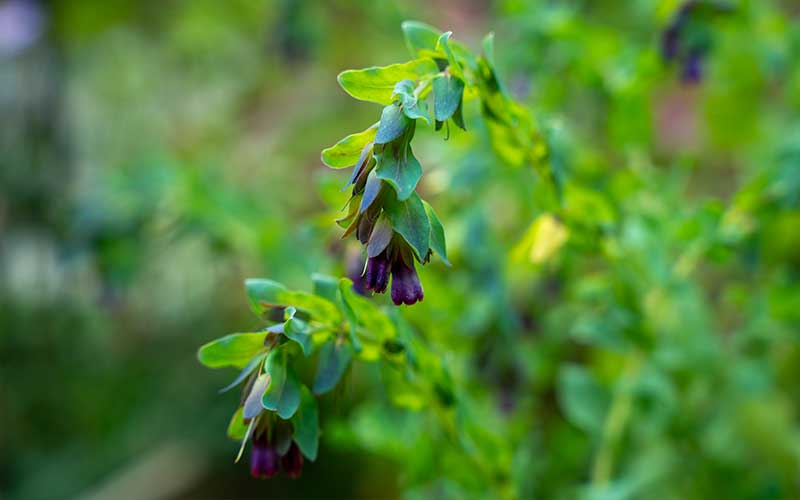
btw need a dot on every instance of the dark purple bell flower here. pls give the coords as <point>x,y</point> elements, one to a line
<point>292,462</point>
<point>670,43</point>
<point>377,275</point>
<point>264,460</point>
<point>406,288</point>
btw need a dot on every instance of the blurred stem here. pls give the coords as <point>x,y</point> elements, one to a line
<point>616,420</point>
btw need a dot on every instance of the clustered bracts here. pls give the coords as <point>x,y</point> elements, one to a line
<point>687,39</point>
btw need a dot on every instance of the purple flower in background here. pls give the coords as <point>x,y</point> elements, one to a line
<point>688,37</point>
<point>21,24</point>
<point>264,460</point>
<point>692,68</point>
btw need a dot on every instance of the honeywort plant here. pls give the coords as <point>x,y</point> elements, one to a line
<point>621,332</point>
<point>278,412</point>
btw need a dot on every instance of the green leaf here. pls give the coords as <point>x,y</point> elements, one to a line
<point>345,291</point>
<point>263,294</point>
<point>409,219</point>
<point>488,49</point>
<point>444,44</point>
<point>334,358</point>
<point>247,370</point>
<point>236,349</point>
<point>393,124</point>
<point>366,313</point>
<point>400,169</point>
<point>306,424</point>
<point>346,152</point>
<point>319,308</point>
<point>381,236</point>
<point>412,107</point>
<point>325,286</point>
<point>252,405</point>
<point>458,116</point>
<point>584,401</point>
<point>376,84</point>
<point>236,427</point>
<point>420,36</point>
<point>447,95</point>
<point>283,393</point>
<point>437,241</point>
<point>299,331</point>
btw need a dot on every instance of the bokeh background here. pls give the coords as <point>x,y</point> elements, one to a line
<point>153,154</point>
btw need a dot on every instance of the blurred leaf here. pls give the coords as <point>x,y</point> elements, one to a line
<point>319,308</point>
<point>347,152</point>
<point>237,428</point>
<point>245,372</point>
<point>444,44</point>
<point>306,424</point>
<point>410,220</point>
<point>582,399</point>
<point>366,313</point>
<point>236,349</point>
<point>325,286</point>
<point>420,36</point>
<point>263,294</point>
<point>376,84</point>
<point>334,358</point>
<point>545,236</point>
<point>252,405</point>
<point>345,295</point>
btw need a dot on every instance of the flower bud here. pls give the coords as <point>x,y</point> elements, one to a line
<point>264,460</point>
<point>292,462</point>
<point>377,275</point>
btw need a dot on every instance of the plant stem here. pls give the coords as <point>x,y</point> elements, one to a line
<point>616,421</point>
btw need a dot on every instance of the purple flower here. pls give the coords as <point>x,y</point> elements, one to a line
<point>264,460</point>
<point>670,43</point>
<point>406,288</point>
<point>292,462</point>
<point>377,275</point>
<point>692,68</point>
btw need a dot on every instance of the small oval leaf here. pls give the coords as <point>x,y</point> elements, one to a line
<point>393,124</point>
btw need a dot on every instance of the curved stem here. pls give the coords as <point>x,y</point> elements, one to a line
<point>616,421</point>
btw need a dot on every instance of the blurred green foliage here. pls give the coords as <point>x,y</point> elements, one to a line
<point>633,336</point>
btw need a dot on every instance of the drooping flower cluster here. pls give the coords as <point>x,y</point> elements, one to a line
<point>385,212</point>
<point>273,450</point>
<point>266,462</point>
<point>406,287</point>
<point>687,38</point>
